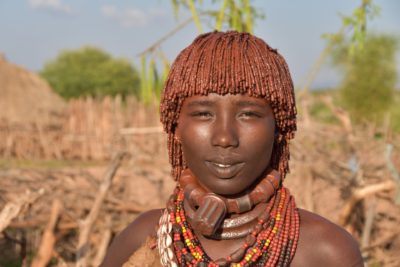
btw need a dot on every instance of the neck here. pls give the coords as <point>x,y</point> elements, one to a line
<point>221,217</point>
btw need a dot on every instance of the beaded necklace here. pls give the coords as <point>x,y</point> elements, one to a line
<point>272,242</point>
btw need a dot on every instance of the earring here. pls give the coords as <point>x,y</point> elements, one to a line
<point>177,139</point>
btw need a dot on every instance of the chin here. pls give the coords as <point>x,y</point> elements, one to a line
<point>229,189</point>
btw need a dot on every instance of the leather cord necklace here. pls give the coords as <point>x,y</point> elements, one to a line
<point>207,211</point>
<point>232,228</point>
<point>272,242</point>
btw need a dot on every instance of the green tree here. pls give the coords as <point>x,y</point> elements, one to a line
<point>367,90</point>
<point>90,71</point>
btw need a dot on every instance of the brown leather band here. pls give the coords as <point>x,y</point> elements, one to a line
<point>262,192</point>
<point>234,227</point>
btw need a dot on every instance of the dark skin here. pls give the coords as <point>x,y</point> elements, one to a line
<point>234,138</point>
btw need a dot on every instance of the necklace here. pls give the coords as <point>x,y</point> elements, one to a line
<point>210,210</point>
<point>272,241</point>
<point>234,227</point>
<point>260,193</point>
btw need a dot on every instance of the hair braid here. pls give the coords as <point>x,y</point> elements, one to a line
<point>235,63</point>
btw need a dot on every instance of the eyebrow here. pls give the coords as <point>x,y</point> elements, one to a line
<point>245,103</point>
<point>209,103</point>
<point>195,103</point>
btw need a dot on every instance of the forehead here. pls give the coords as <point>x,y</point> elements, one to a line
<point>213,99</point>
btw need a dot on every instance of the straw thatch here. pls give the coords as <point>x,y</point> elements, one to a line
<point>25,97</point>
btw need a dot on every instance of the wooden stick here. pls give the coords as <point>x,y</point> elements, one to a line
<point>43,141</point>
<point>85,226</point>
<point>340,114</point>
<point>370,214</point>
<point>382,241</point>
<point>155,45</point>
<point>359,194</point>
<point>41,221</point>
<point>12,209</point>
<point>393,171</point>
<point>48,238</point>
<point>104,242</point>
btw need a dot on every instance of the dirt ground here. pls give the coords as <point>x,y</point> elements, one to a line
<point>321,181</point>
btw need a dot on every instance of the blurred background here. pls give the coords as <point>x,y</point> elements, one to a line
<point>82,151</point>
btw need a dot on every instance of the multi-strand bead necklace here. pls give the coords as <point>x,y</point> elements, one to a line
<point>272,242</point>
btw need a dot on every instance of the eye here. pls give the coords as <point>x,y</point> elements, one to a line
<point>249,114</point>
<point>201,114</point>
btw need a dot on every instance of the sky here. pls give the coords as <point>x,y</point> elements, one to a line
<point>33,32</point>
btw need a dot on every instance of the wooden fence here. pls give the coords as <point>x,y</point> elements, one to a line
<point>90,129</point>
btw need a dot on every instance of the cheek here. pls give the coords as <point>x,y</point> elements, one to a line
<point>261,132</point>
<point>194,139</point>
<point>258,142</point>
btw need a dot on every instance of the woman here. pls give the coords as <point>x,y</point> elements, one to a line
<point>229,111</point>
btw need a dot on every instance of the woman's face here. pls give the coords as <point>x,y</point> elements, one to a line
<point>226,140</point>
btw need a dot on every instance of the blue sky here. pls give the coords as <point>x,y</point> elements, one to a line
<point>33,32</point>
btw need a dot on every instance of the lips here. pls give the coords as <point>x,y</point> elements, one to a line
<point>224,170</point>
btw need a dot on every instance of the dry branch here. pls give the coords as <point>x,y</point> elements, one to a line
<point>393,171</point>
<point>340,114</point>
<point>360,194</point>
<point>165,37</point>
<point>86,225</point>
<point>92,130</point>
<point>369,221</point>
<point>104,242</point>
<point>48,239</point>
<point>12,209</point>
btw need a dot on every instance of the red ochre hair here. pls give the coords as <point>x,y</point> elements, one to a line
<point>230,63</point>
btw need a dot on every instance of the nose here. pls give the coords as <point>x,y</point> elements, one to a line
<point>225,133</point>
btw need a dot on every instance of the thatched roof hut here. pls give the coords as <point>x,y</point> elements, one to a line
<point>25,97</point>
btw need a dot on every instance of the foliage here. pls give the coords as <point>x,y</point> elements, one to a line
<point>232,14</point>
<point>395,113</point>
<point>368,64</point>
<point>151,81</point>
<point>370,76</point>
<point>237,15</point>
<point>356,24</point>
<point>90,71</point>
<point>319,110</point>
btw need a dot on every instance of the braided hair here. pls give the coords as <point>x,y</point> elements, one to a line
<point>230,63</point>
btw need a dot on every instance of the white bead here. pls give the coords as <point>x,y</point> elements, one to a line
<point>170,253</point>
<point>168,241</point>
<point>164,261</point>
<point>163,229</point>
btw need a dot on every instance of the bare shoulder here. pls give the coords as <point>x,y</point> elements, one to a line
<point>323,243</point>
<point>131,238</point>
